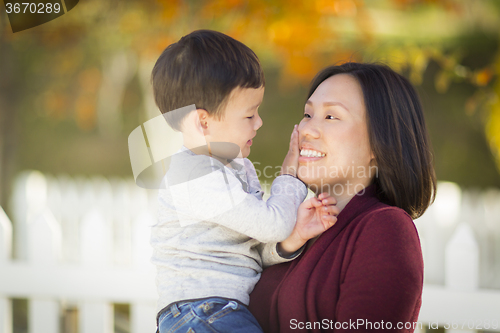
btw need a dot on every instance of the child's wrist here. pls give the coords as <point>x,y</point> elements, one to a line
<point>292,244</point>
<point>289,171</point>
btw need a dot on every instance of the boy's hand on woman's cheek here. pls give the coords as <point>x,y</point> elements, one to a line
<point>291,162</point>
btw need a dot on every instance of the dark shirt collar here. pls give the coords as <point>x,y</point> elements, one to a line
<point>361,202</point>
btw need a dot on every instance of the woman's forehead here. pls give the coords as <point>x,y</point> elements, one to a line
<point>341,89</point>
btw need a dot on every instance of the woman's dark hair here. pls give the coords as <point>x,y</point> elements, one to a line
<point>203,68</point>
<point>397,133</point>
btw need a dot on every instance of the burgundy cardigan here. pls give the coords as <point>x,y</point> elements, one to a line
<point>363,274</point>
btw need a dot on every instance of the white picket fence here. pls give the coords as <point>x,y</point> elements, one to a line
<point>460,236</point>
<point>78,241</point>
<point>85,242</point>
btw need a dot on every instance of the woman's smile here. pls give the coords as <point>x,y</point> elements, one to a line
<point>308,155</point>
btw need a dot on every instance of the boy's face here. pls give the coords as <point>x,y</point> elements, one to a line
<point>241,119</point>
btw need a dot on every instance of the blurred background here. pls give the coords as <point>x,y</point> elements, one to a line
<point>73,89</point>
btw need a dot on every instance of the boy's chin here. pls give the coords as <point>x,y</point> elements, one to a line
<point>245,152</point>
<point>225,150</point>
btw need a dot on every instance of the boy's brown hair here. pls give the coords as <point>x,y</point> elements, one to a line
<point>203,68</point>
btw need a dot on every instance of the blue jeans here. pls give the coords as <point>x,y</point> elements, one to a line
<point>208,315</point>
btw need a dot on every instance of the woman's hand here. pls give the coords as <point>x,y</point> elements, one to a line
<point>315,216</point>
<point>291,162</point>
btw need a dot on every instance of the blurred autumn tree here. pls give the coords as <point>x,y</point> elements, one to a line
<point>72,89</point>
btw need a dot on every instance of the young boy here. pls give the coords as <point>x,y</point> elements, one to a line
<point>215,233</point>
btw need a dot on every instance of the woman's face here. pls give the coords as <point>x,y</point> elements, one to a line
<point>335,154</point>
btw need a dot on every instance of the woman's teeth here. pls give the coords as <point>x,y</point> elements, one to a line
<point>311,153</point>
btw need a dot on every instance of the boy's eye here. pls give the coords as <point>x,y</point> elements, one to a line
<point>250,117</point>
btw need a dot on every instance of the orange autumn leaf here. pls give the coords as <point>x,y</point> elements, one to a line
<point>483,77</point>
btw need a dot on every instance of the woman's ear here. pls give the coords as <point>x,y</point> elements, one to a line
<point>373,160</point>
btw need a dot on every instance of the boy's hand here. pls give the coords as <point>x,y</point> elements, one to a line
<point>315,216</point>
<point>291,162</point>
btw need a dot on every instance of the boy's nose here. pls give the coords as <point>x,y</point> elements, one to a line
<point>258,123</point>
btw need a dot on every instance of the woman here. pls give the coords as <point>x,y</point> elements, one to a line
<point>363,139</point>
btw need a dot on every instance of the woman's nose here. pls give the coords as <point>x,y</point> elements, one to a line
<point>309,128</point>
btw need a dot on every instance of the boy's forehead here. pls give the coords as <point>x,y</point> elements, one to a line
<point>244,100</point>
<point>247,94</point>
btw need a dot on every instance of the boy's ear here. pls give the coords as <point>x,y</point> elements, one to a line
<point>203,116</point>
<point>202,121</point>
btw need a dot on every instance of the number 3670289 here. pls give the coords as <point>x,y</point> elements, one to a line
<point>34,8</point>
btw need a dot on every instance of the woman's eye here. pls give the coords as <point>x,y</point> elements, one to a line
<point>331,117</point>
<point>307,115</point>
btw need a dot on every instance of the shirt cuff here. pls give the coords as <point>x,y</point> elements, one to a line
<point>287,174</point>
<point>291,256</point>
<point>290,185</point>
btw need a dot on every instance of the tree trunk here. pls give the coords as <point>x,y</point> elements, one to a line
<point>9,92</point>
